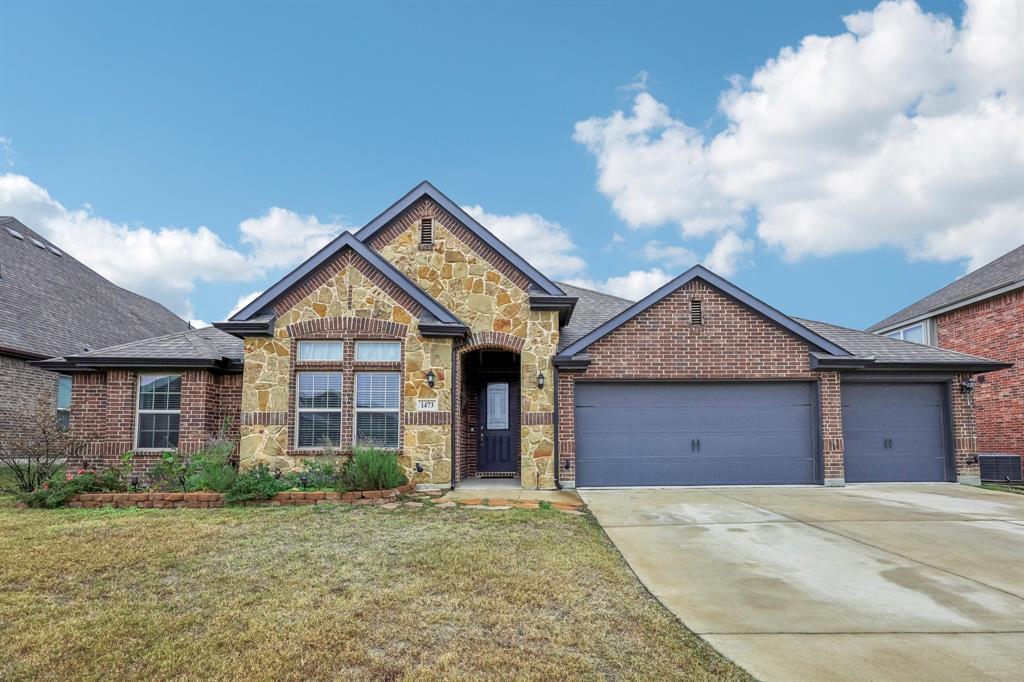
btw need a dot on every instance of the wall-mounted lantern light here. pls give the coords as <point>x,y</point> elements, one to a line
<point>967,388</point>
<point>540,380</point>
<point>431,378</point>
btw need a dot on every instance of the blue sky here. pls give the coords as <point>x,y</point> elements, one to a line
<point>126,129</point>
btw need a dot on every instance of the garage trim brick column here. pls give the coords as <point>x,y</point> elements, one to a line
<point>965,434</point>
<point>831,405</point>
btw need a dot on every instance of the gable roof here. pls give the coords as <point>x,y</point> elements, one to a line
<point>206,347</point>
<point>593,308</point>
<point>1001,275</point>
<point>436,313</point>
<point>726,287</point>
<point>882,352</point>
<point>51,304</point>
<point>367,232</point>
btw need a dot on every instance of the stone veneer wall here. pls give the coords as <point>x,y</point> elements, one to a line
<point>488,294</point>
<point>347,300</point>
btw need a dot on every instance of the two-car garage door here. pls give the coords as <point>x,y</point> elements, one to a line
<point>636,434</point>
<point>663,434</point>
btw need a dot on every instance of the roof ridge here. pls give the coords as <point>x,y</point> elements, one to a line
<point>137,342</point>
<point>889,339</point>
<point>593,291</point>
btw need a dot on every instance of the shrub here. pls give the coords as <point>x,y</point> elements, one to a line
<point>372,469</point>
<point>324,471</point>
<point>211,468</point>
<point>165,474</point>
<point>33,460</point>
<point>253,484</point>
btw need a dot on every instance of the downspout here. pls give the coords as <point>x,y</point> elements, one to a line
<point>558,470</point>
<point>453,404</point>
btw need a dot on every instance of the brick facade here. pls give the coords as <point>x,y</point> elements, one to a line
<point>732,343</point>
<point>993,329</point>
<point>103,414</point>
<point>23,388</point>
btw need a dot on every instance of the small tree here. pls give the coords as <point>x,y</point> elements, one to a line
<point>35,457</point>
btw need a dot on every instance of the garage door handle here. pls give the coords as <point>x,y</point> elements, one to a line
<point>698,445</point>
<point>693,444</point>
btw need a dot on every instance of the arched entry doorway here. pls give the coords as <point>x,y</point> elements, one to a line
<point>487,412</point>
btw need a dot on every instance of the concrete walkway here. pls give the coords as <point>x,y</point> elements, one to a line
<point>870,582</point>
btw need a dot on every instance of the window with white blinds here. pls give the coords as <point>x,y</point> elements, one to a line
<point>377,404</point>
<point>321,350</point>
<point>318,409</point>
<point>378,351</point>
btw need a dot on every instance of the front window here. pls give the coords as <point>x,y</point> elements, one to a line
<point>63,402</point>
<point>913,333</point>
<point>319,409</point>
<point>159,413</point>
<point>377,408</point>
<point>313,351</point>
<point>378,351</point>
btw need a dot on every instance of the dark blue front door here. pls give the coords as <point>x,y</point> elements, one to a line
<point>499,427</point>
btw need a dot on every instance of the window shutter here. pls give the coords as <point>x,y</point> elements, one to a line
<point>426,231</point>
<point>696,311</point>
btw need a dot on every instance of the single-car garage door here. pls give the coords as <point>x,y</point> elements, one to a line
<point>694,433</point>
<point>894,432</point>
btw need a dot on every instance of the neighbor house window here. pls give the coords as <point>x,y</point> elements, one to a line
<point>319,409</point>
<point>914,333</point>
<point>63,402</point>
<point>377,408</point>
<point>159,413</point>
<point>312,351</point>
<point>378,351</point>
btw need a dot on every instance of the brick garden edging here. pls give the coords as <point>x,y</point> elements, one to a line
<point>206,500</point>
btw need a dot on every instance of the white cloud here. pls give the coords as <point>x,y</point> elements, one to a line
<point>672,256</point>
<point>634,286</point>
<point>639,82</point>
<point>656,170</point>
<point>282,238</point>
<point>6,151</point>
<point>906,131</point>
<point>198,324</point>
<point>543,243</point>
<point>726,255</point>
<point>243,301</point>
<point>166,263</point>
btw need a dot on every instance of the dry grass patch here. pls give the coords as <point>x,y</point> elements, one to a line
<point>329,593</point>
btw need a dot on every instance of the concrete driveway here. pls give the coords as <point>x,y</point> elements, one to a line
<point>870,582</point>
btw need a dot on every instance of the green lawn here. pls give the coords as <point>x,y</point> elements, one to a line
<point>329,592</point>
<point>1017,488</point>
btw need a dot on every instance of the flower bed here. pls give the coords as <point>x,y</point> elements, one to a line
<point>207,500</point>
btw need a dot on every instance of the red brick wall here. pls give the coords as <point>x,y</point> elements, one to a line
<point>103,414</point>
<point>993,329</point>
<point>23,388</point>
<point>732,343</point>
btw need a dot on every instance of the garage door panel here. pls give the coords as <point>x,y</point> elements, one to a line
<point>646,433</point>
<point>894,432</point>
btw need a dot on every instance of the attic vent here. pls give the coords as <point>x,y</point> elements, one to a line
<point>14,233</point>
<point>696,311</point>
<point>37,242</point>
<point>55,252</point>
<point>426,231</point>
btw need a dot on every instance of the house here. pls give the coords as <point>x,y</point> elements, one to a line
<point>50,304</point>
<point>981,313</point>
<point>424,333</point>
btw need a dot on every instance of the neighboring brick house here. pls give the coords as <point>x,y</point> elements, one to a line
<point>50,304</point>
<point>425,334</point>
<point>981,313</point>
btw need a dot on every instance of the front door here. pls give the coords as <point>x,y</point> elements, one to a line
<point>499,428</point>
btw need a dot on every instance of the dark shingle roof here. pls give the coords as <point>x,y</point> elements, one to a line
<point>208,346</point>
<point>1000,273</point>
<point>51,304</point>
<point>592,310</point>
<point>886,350</point>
